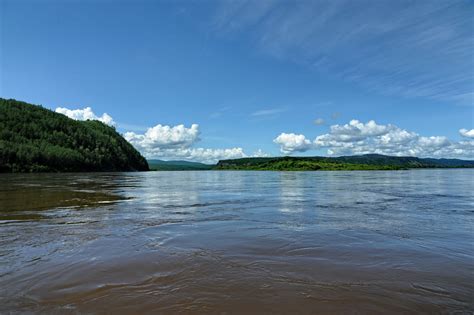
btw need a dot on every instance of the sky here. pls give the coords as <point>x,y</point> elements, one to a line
<point>209,80</point>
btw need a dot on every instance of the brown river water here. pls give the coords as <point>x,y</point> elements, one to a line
<point>223,242</point>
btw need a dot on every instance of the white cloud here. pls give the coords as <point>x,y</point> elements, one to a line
<point>260,153</point>
<point>319,121</point>
<point>467,133</point>
<point>290,142</point>
<point>363,138</point>
<point>355,130</point>
<point>398,136</point>
<point>176,143</point>
<point>204,155</point>
<point>85,114</point>
<point>163,137</point>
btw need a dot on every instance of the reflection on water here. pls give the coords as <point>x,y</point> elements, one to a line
<point>24,194</point>
<point>237,242</point>
<point>292,192</point>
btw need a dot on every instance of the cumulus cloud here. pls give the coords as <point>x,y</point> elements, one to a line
<point>204,155</point>
<point>290,142</point>
<point>467,133</point>
<point>176,143</point>
<point>355,130</point>
<point>164,137</point>
<point>260,153</point>
<point>364,138</point>
<point>85,114</point>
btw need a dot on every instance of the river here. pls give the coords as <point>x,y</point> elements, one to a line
<point>238,242</point>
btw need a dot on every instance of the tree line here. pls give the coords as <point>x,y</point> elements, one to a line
<point>36,139</point>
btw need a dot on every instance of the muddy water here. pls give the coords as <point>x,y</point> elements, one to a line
<point>238,242</point>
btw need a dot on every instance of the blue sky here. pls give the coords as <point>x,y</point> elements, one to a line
<point>254,77</point>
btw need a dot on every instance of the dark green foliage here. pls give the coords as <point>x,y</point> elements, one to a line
<point>358,162</point>
<point>35,139</point>
<point>404,161</point>
<point>159,165</point>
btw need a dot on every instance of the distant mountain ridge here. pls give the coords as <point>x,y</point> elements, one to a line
<point>160,165</point>
<point>356,162</point>
<point>36,139</point>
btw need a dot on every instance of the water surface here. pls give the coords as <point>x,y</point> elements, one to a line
<point>238,242</point>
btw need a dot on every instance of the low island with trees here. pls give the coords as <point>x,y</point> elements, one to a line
<point>314,163</point>
<point>347,163</point>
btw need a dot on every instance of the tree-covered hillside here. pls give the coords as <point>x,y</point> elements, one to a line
<point>358,162</point>
<point>35,139</point>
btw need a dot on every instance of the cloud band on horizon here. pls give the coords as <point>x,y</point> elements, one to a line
<point>353,138</point>
<point>357,138</point>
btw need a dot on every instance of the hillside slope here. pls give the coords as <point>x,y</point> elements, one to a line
<point>35,139</point>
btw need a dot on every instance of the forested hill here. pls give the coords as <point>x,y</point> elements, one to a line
<point>357,162</point>
<point>35,139</point>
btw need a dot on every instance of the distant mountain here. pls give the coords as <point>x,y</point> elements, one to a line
<point>35,139</point>
<point>357,162</point>
<point>160,165</point>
